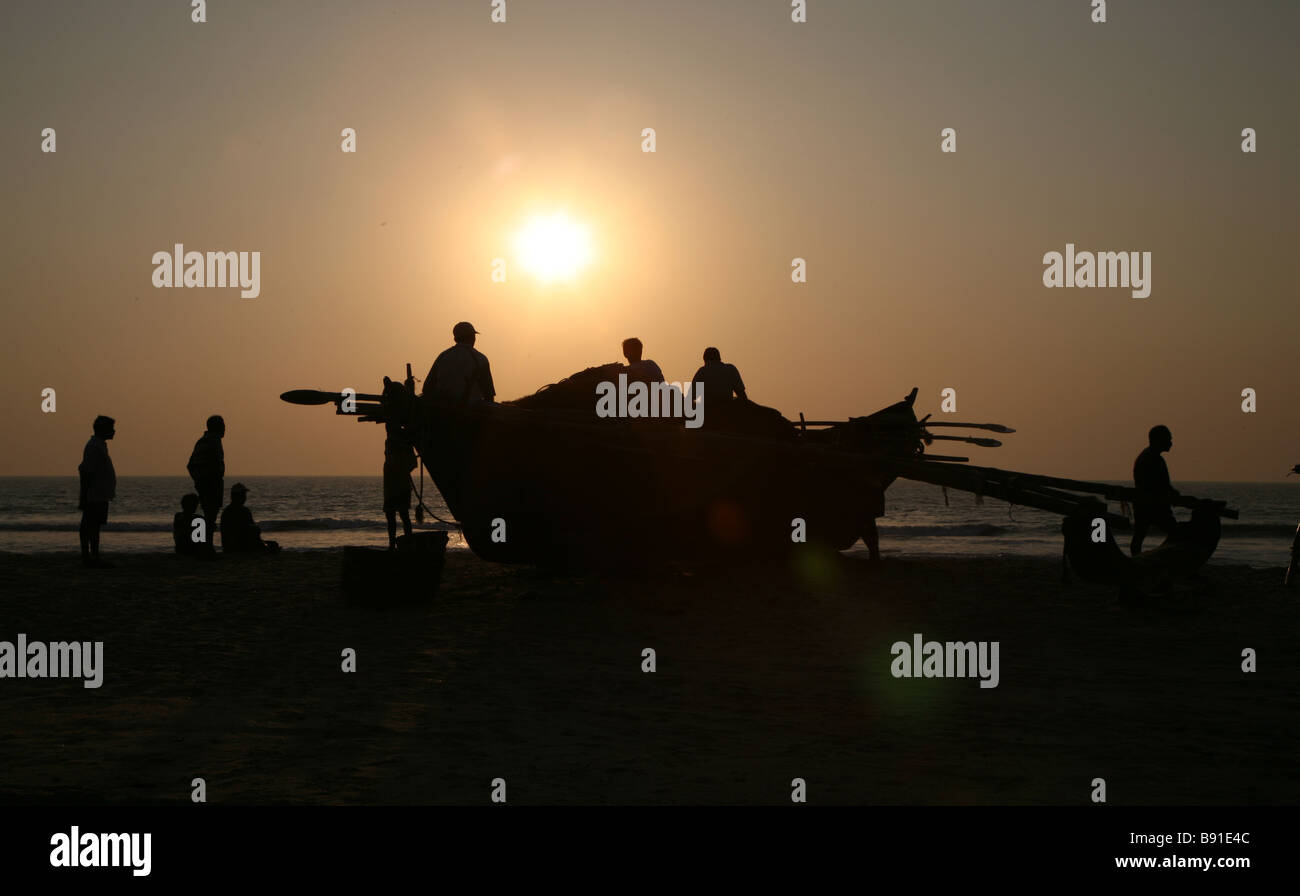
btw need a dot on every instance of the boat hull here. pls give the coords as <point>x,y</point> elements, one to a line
<point>550,487</point>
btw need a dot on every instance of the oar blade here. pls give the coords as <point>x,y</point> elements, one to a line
<point>310,397</point>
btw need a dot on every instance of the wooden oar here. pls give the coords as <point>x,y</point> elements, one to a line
<point>973,440</point>
<point>991,427</point>
<point>315,396</point>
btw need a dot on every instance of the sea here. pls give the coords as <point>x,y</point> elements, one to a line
<point>38,514</point>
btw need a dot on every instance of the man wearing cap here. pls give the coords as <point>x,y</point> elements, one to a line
<point>461,373</point>
<point>238,532</point>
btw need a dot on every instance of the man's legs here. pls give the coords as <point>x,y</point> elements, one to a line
<point>89,536</point>
<point>210,500</point>
<point>1139,534</point>
<point>1162,519</point>
<point>92,518</point>
<point>1167,524</point>
<point>871,537</point>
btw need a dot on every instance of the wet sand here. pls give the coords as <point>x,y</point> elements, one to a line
<point>230,671</point>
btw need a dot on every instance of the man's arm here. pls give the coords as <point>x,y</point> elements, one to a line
<point>739,385</point>
<point>202,463</point>
<point>1168,485</point>
<point>697,386</point>
<point>485,381</point>
<point>91,466</point>
<point>84,485</point>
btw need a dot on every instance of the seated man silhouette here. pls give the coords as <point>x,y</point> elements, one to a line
<point>238,533</point>
<point>717,381</point>
<point>1152,507</point>
<point>639,370</point>
<point>183,526</point>
<point>461,373</point>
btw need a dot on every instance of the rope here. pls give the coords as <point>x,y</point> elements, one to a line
<point>420,507</point>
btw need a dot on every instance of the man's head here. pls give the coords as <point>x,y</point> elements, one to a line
<point>464,333</point>
<point>190,503</point>
<point>238,494</point>
<point>712,354</point>
<point>1160,438</point>
<point>217,425</point>
<point>632,349</point>
<point>104,427</point>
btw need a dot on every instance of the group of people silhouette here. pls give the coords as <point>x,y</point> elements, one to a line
<point>463,373</point>
<point>207,468</point>
<point>715,381</point>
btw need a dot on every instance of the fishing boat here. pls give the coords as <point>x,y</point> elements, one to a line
<point>544,480</point>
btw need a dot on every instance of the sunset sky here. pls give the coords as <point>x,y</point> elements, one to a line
<point>774,140</point>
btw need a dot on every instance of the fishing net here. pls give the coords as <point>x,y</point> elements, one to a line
<point>577,392</point>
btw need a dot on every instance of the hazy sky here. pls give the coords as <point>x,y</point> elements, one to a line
<point>774,140</point>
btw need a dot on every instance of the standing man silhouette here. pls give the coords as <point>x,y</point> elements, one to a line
<point>207,468</point>
<point>399,461</point>
<point>1155,492</point>
<point>98,487</point>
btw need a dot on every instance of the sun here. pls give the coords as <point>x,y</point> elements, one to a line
<point>553,247</point>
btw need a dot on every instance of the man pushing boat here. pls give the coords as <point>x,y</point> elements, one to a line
<point>1152,506</point>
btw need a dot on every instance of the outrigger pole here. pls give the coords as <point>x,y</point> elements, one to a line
<point>1051,493</point>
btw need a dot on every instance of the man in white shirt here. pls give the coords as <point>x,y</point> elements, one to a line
<point>461,373</point>
<point>638,370</point>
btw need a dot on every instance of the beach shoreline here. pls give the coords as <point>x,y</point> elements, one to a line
<point>232,671</point>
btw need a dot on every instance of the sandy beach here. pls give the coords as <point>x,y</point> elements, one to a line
<point>231,671</point>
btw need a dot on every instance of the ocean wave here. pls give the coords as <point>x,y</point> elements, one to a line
<point>322,524</point>
<point>989,530</point>
<point>956,530</point>
<point>1258,529</point>
<point>934,530</point>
